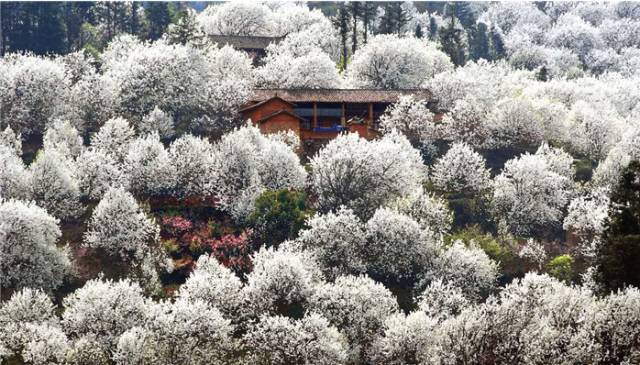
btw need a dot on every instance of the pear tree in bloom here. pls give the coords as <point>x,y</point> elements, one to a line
<point>406,339</point>
<point>609,170</point>
<point>63,137</point>
<point>193,164</point>
<point>514,122</point>
<point>414,120</point>
<point>21,314</point>
<point>147,166</point>
<point>461,170</point>
<point>391,62</point>
<point>114,138</point>
<point>214,284</point>
<point>586,218</point>
<point>178,333</point>
<point>15,178</point>
<point>238,18</point>
<point>86,350</point>
<point>430,211</point>
<point>9,139</point>
<point>28,240</point>
<point>397,247</point>
<point>157,121</point>
<point>47,345</point>
<point>281,280</point>
<point>177,79</point>
<point>363,175</point>
<point>358,307</point>
<point>532,191</point>
<point>593,129</point>
<point>32,90</point>
<point>336,241</point>
<point>55,185</point>
<point>534,252</point>
<point>104,309</point>
<point>306,341</point>
<point>442,300</point>
<point>120,227</point>
<point>314,70</point>
<point>97,171</point>
<point>248,162</point>
<point>467,268</point>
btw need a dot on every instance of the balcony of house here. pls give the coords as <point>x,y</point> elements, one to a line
<point>327,120</point>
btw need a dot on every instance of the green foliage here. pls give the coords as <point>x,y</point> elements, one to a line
<point>562,268</point>
<point>618,257</point>
<point>279,215</point>
<point>452,44</point>
<point>479,42</point>
<point>497,251</point>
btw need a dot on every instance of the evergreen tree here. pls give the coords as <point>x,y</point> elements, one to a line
<point>618,257</point>
<point>356,10</point>
<point>341,21</point>
<point>543,74</point>
<point>186,30</point>
<point>418,33</point>
<point>394,19</point>
<point>433,28</point>
<point>451,40</point>
<point>368,13</point>
<point>479,42</point>
<point>497,44</point>
<point>159,18</point>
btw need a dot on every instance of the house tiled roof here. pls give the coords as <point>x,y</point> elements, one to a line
<point>282,111</point>
<point>338,95</point>
<point>260,103</point>
<point>244,42</point>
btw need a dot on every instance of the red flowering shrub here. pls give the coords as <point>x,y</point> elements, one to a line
<point>232,251</point>
<point>186,241</point>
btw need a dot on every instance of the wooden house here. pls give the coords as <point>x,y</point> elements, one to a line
<point>255,47</point>
<point>318,115</point>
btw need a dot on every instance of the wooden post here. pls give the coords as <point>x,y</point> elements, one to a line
<point>370,119</point>
<point>315,115</point>
<point>343,119</point>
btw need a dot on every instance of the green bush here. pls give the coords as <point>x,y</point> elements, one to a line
<point>278,216</point>
<point>561,267</point>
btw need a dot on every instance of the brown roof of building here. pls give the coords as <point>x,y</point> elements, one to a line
<point>338,95</point>
<point>281,111</point>
<point>244,42</point>
<point>253,106</point>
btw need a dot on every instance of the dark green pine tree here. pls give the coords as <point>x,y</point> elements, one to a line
<point>387,25</point>
<point>497,44</point>
<point>186,30</point>
<point>543,74</point>
<point>618,257</point>
<point>433,28</point>
<point>356,13</point>
<point>399,15</point>
<point>479,42</point>
<point>369,10</point>
<point>341,21</point>
<point>158,17</point>
<point>50,33</point>
<point>418,33</point>
<point>451,41</point>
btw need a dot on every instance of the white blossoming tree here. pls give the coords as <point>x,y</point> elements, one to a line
<point>281,281</point>
<point>414,120</point>
<point>114,138</point>
<point>363,175</point>
<point>193,162</point>
<point>63,137</point>
<point>429,210</point>
<point>148,167</point>
<point>391,62</point>
<point>309,340</point>
<point>461,170</point>
<point>157,121</point>
<point>248,162</point>
<point>97,171</point>
<point>32,90</point>
<point>531,192</point>
<point>336,241</point>
<point>104,309</point>
<point>358,307</point>
<point>214,284</point>
<point>28,240</point>
<point>15,178</point>
<point>9,139</point>
<point>121,228</point>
